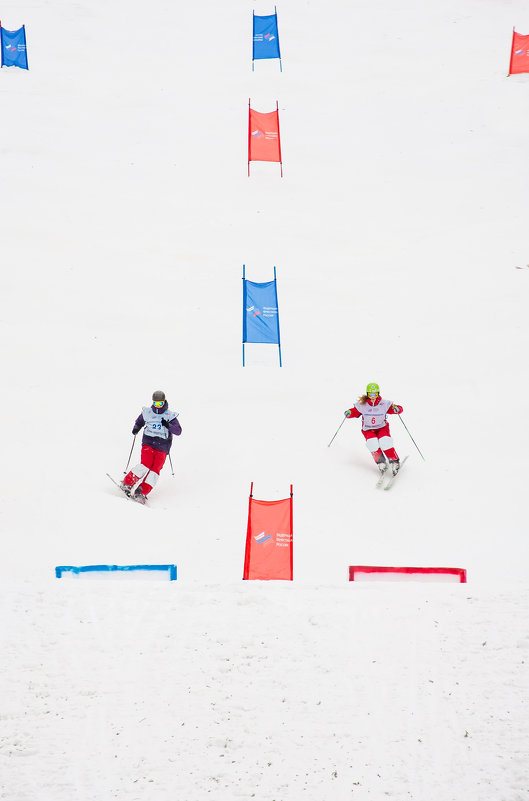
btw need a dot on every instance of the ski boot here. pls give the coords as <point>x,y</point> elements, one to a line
<point>125,487</point>
<point>382,465</point>
<point>395,466</point>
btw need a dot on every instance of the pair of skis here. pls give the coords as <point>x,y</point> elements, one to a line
<point>392,478</point>
<point>130,495</point>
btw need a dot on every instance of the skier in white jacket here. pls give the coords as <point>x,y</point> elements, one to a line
<point>373,409</point>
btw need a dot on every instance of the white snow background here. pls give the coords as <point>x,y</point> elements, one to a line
<point>126,214</point>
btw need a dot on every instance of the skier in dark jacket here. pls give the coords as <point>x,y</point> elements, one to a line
<point>160,425</point>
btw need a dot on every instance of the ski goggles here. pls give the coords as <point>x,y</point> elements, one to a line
<point>158,404</point>
<point>372,395</point>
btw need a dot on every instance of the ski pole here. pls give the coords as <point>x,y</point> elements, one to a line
<point>406,427</point>
<point>339,427</point>
<point>130,454</point>
<point>171,463</point>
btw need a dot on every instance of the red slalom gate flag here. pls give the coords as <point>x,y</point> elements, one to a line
<point>269,554</point>
<point>519,54</point>
<point>264,139</point>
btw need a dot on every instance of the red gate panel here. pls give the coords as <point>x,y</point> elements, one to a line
<point>519,54</point>
<point>269,540</point>
<point>264,139</point>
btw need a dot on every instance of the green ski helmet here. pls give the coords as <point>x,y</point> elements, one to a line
<point>372,387</point>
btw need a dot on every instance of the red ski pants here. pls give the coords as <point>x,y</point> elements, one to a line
<point>378,441</point>
<point>149,469</point>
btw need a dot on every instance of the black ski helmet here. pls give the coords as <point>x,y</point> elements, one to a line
<point>158,395</point>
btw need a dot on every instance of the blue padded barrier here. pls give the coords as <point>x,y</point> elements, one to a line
<point>76,570</point>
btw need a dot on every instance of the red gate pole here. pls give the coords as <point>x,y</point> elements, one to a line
<point>249,133</point>
<point>512,53</point>
<point>279,138</point>
<point>292,535</point>
<point>248,536</point>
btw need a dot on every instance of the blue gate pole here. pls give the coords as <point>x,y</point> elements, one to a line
<point>278,45</point>
<point>243,311</point>
<point>278,331</point>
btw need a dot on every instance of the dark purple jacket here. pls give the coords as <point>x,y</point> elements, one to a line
<point>159,443</point>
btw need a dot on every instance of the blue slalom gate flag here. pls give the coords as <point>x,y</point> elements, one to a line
<point>266,38</point>
<point>14,51</point>
<point>260,313</point>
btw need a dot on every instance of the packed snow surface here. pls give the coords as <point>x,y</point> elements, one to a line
<point>164,691</point>
<point>399,235</point>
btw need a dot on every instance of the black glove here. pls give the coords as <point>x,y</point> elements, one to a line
<point>135,430</point>
<point>165,423</point>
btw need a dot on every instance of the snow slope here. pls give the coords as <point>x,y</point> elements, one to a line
<point>126,215</point>
<point>283,692</point>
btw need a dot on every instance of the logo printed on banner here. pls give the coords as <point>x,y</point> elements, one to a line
<point>269,37</point>
<point>266,134</point>
<point>262,537</point>
<point>266,312</point>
